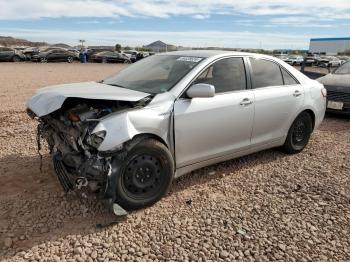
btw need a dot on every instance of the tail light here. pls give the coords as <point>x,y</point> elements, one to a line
<point>324,92</point>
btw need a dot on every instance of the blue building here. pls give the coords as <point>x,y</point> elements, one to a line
<point>329,46</point>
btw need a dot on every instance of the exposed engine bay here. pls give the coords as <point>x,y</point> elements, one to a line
<point>74,148</point>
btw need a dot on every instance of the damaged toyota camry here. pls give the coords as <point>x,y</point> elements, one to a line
<point>125,138</point>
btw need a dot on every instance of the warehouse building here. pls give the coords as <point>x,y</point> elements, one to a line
<point>329,46</point>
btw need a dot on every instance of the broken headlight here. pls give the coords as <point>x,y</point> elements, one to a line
<point>96,139</point>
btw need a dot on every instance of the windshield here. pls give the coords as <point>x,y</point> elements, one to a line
<point>344,69</point>
<point>155,74</point>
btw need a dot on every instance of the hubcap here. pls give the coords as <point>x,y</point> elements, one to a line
<point>299,132</point>
<point>142,177</point>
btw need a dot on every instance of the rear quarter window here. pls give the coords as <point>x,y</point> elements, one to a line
<point>287,78</point>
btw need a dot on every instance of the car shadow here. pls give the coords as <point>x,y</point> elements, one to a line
<point>35,210</point>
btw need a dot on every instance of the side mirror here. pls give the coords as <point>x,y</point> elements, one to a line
<point>201,90</point>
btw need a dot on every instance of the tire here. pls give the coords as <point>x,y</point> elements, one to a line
<point>43,60</point>
<point>145,176</point>
<point>104,61</point>
<point>70,59</point>
<point>16,58</point>
<point>299,134</point>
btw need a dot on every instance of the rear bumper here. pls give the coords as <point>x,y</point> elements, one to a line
<point>345,111</point>
<point>339,94</point>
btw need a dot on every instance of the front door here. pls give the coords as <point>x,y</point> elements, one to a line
<point>206,128</point>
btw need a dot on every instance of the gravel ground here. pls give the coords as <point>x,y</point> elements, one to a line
<point>266,206</point>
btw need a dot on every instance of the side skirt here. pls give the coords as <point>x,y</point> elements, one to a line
<point>186,169</point>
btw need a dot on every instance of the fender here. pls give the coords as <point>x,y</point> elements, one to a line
<point>124,126</point>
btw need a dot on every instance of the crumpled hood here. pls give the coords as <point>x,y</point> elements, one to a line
<point>335,80</point>
<point>49,99</point>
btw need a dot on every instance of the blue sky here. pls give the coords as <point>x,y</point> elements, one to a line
<point>247,24</point>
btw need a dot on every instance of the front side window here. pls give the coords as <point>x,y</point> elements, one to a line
<point>343,69</point>
<point>265,73</point>
<point>154,74</point>
<point>225,75</point>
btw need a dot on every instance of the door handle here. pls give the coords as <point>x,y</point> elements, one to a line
<point>246,102</point>
<point>297,93</point>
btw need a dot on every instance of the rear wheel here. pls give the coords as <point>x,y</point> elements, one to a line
<point>16,58</point>
<point>104,60</point>
<point>298,134</point>
<point>146,175</point>
<point>70,59</point>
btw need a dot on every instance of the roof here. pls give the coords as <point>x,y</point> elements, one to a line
<point>206,53</point>
<point>330,39</point>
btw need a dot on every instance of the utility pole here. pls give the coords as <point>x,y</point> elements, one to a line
<point>82,41</point>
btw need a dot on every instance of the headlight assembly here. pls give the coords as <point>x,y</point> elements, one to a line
<point>96,139</point>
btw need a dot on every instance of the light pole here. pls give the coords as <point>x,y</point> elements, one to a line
<point>82,41</point>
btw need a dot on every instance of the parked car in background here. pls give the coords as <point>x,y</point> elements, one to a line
<point>110,57</point>
<point>338,89</point>
<point>311,59</point>
<point>132,55</point>
<point>54,55</point>
<point>294,60</point>
<point>11,55</point>
<point>139,56</point>
<point>282,57</point>
<point>129,135</point>
<point>75,51</point>
<point>322,60</point>
<point>30,51</point>
<point>334,61</point>
<point>343,59</point>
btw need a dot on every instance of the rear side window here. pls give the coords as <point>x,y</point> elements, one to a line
<point>265,73</point>
<point>288,79</point>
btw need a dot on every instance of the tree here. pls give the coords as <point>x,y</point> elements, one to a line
<point>118,47</point>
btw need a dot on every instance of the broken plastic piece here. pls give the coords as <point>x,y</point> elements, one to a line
<point>118,210</point>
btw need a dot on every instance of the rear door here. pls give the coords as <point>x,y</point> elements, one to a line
<point>278,97</point>
<point>207,128</point>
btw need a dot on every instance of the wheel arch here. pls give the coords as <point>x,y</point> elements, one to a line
<point>143,136</point>
<point>312,115</point>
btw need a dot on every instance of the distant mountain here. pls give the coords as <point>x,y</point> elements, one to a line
<point>11,41</point>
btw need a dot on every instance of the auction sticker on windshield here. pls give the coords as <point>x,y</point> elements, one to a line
<point>189,59</point>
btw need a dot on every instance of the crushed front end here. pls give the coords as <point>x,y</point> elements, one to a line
<point>77,161</point>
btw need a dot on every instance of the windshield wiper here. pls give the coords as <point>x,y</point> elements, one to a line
<point>116,85</point>
<point>144,91</point>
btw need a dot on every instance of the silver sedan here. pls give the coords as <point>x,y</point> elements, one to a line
<point>128,136</point>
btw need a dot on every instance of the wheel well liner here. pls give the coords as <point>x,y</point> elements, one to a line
<point>149,135</point>
<point>313,117</point>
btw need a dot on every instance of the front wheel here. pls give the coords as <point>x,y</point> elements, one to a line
<point>298,134</point>
<point>70,59</point>
<point>146,175</point>
<point>43,60</point>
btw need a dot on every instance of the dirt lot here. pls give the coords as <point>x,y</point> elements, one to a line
<point>266,206</point>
